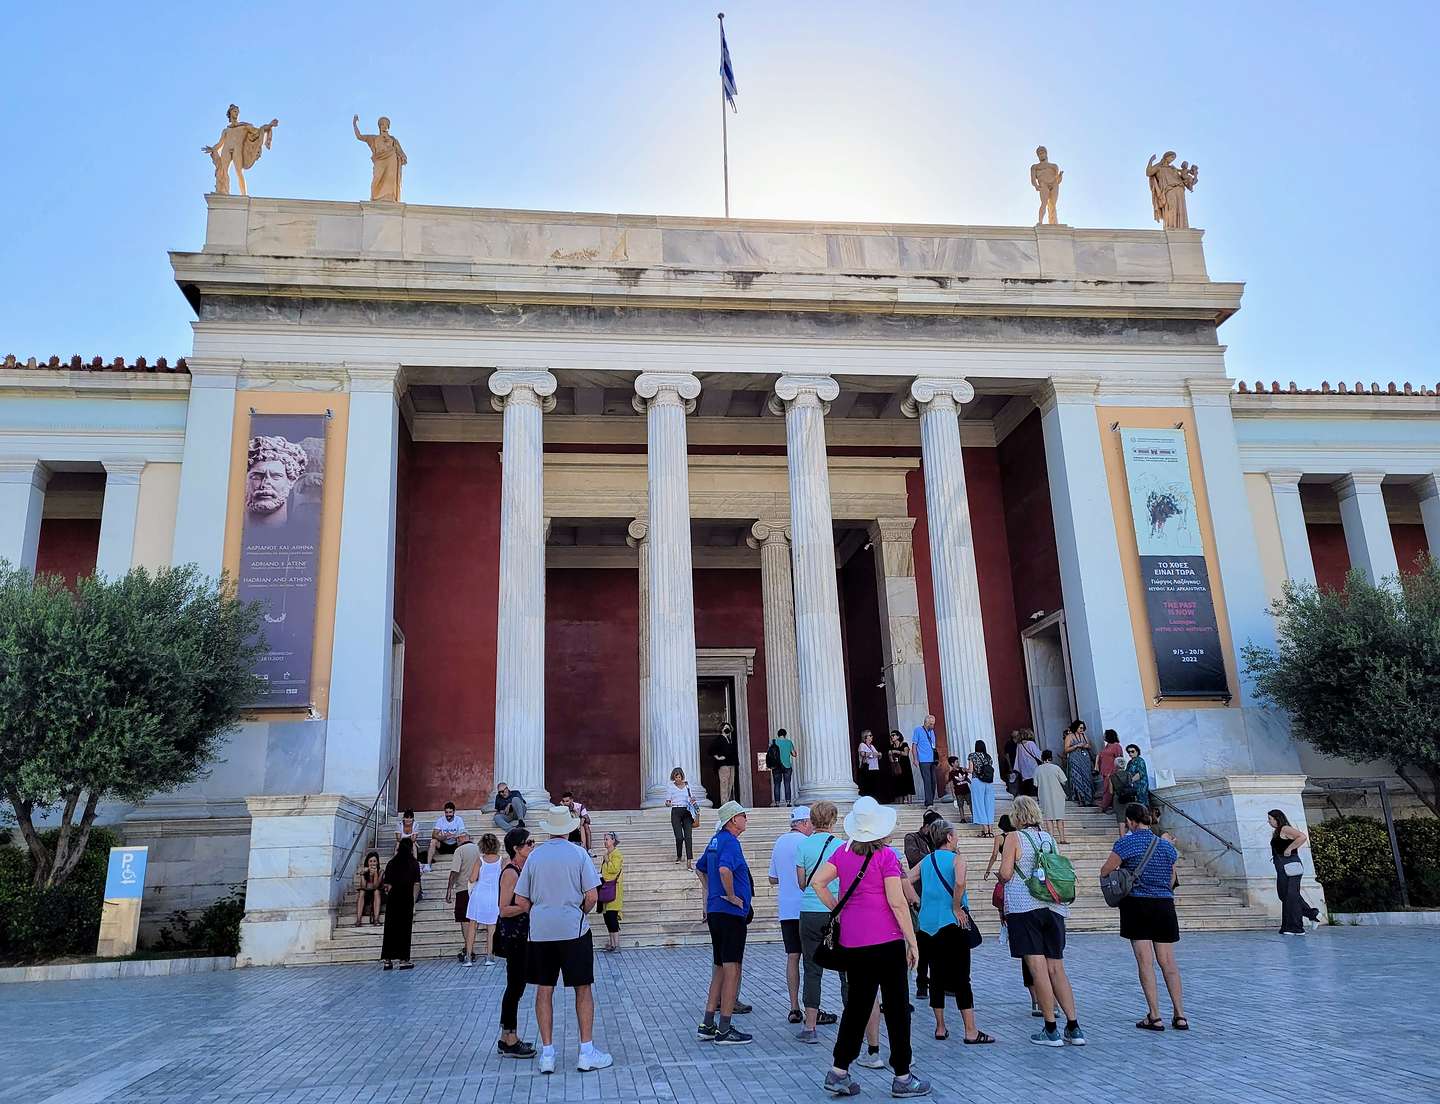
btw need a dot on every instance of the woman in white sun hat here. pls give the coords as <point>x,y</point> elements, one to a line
<point>877,942</point>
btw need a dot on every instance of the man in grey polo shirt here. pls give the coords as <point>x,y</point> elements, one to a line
<point>559,886</point>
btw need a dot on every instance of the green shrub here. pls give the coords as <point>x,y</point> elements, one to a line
<point>63,920</point>
<point>1354,864</point>
<point>1419,839</point>
<point>215,932</point>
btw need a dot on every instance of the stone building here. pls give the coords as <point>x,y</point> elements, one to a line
<point>595,484</point>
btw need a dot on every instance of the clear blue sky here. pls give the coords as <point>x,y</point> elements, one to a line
<point>1314,126</point>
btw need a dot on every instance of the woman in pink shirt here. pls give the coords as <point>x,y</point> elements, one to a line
<point>878,943</point>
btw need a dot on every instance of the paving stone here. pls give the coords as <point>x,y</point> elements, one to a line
<point>1315,1019</point>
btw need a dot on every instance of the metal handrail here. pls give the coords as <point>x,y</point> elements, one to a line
<point>372,811</point>
<point>1204,828</point>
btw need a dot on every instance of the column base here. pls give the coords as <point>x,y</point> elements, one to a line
<point>829,791</point>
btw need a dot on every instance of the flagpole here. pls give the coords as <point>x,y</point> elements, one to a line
<point>724,126</point>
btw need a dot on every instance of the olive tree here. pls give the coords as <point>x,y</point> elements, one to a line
<point>1358,670</point>
<point>116,690</point>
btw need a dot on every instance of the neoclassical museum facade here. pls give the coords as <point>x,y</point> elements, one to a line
<point>581,488</point>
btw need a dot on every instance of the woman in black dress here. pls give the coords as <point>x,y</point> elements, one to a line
<point>402,874</point>
<point>899,777</point>
<point>1285,843</point>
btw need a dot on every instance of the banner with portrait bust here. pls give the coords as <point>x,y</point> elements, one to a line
<point>1183,630</point>
<point>280,548</point>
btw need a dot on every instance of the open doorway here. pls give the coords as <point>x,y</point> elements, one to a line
<point>717,709</point>
<point>1047,670</point>
<point>723,691</point>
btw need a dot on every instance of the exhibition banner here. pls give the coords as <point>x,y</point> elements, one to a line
<point>280,548</point>
<point>1183,630</point>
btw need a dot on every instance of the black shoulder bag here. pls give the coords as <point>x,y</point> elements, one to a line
<point>971,933</point>
<point>829,955</point>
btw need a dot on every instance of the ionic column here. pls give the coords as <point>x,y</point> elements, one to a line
<point>673,715</point>
<point>964,672</point>
<point>523,396</point>
<point>22,502</point>
<point>117,516</point>
<point>1294,538</point>
<point>782,672</point>
<point>905,693</point>
<point>825,758</point>
<point>1428,492</point>
<point>1367,526</point>
<point>638,538</point>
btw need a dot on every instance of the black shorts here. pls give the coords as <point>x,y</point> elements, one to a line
<point>612,921</point>
<point>1151,918</point>
<point>438,847</point>
<point>727,937</point>
<point>790,933</point>
<point>1037,932</point>
<point>462,905</point>
<point>574,958</point>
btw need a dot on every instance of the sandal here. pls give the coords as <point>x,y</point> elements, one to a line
<point>980,1037</point>
<point>942,1036</point>
<point>1180,1023</point>
<point>1147,1024</point>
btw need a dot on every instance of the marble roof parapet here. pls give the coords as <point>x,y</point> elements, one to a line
<point>509,255</point>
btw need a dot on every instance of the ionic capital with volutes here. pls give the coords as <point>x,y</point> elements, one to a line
<point>799,390</point>
<point>637,532</point>
<point>524,386</point>
<point>936,393</point>
<point>768,532</point>
<point>665,388</point>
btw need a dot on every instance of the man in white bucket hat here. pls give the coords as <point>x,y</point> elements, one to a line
<point>729,889</point>
<point>558,886</point>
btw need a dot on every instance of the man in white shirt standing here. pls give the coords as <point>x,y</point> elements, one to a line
<point>790,894</point>
<point>445,836</point>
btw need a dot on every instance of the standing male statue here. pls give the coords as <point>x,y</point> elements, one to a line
<point>1168,186</point>
<point>239,143</point>
<point>387,159</point>
<point>1045,177</point>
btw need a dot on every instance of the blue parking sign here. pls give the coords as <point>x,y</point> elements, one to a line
<point>126,874</point>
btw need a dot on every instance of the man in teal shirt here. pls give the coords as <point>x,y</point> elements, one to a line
<point>782,775</point>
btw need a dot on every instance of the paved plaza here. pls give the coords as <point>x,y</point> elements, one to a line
<point>1341,1015</point>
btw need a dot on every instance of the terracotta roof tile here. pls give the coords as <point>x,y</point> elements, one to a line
<point>1325,389</point>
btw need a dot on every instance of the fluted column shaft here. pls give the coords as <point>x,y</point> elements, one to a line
<point>638,538</point>
<point>782,672</point>
<point>960,632</point>
<point>523,397</point>
<point>825,767</point>
<point>671,707</point>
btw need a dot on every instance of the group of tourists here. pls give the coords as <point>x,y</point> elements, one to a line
<point>898,770</point>
<point>846,903</point>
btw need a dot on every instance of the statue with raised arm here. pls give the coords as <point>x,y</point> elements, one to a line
<point>1168,186</point>
<point>239,144</point>
<point>1045,178</point>
<point>387,160</point>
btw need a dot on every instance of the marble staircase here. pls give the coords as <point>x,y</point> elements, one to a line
<point>662,900</point>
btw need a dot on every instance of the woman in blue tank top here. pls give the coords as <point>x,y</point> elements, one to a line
<point>946,926</point>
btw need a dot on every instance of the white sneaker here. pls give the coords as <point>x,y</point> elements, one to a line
<point>870,1061</point>
<point>595,1060</point>
<point>424,868</point>
<point>547,1062</point>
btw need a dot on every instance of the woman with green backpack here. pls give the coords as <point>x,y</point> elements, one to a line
<point>1039,885</point>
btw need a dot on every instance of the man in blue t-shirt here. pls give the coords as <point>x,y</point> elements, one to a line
<point>728,892</point>
<point>922,750</point>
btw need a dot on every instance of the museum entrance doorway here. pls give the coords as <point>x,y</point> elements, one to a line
<point>1052,688</point>
<point>717,708</point>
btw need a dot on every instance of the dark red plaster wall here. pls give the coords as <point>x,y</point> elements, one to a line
<point>1029,524</point>
<point>1009,696</point>
<point>1328,551</point>
<point>1410,543</point>
<point>864,655</point>
<point>68,547</point>
<point>592,686</point>
<point>730,613</point>
<point>451,503</point>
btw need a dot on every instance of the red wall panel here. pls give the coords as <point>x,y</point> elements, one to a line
<point>864,654</point>
<point>451,502</point>
<point>592,686</point>
<point>1328,550</point>
<point>729,613</point>
<point>1029,524</point>
<point>68,547</point>
<point>1410,544</point>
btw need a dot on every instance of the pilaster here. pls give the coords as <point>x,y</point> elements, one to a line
<point>1428,492</point>
<point>118,516</point>
<point>1294,537</point>
<point>1367,525</point>
<point>22,503</point>
<point>205,467</point>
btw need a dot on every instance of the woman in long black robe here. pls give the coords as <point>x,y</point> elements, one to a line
<point>402,873</point>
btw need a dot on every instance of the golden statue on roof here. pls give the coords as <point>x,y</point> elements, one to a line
<point>241,144</point>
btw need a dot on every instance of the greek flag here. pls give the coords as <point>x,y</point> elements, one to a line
<point>727,73</point>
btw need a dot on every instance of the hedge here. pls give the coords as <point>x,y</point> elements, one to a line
<point>50,923</point>
<point>1354,863</point>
